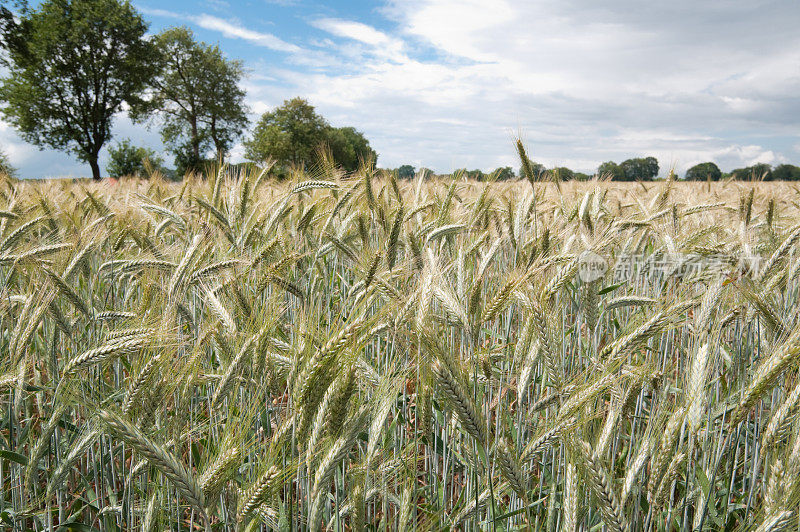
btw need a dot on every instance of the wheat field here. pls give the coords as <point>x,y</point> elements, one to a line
<point>347,353</point>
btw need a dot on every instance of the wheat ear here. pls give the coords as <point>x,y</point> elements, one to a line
<point>158,456</point>
<point>600,484</point>
<point>767,373</point>
<point>460,401</point>
<point>251,499</point>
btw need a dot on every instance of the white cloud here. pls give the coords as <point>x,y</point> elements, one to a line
<point>353,30</point>
<point>586,82</point>
<point>377,42</point>
<point>227,28</point>
<point>157,12</point>
<point>235,31</point>
<point>460,27</point>
<point>18,151</point>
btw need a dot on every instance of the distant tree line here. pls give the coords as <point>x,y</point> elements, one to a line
<point>645,169</point>
<point>638,169</point>
<point>72,65</point>
<point>757,172</point>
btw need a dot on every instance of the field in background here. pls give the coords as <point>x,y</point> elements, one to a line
<point>356,354</point>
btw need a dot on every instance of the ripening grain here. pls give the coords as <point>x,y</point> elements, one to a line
<point>349,353</point>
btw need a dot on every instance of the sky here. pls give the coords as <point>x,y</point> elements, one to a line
<point>451,83</point>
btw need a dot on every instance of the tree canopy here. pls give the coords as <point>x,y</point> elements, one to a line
<point>504,173</point>
<point>786,172</point>
<point>756,172</point>
<point>612,170</point>
<point>703,172</point>
<point>563,173</point>
<point>476,175</point>
<point>196,96</point>
<point>406,171</point>
<point>640,169</point>
<point>636,169</point>
<point>292,133</point>
<point>125,159</point>
<point>349,147</point>
<point>71,65</point>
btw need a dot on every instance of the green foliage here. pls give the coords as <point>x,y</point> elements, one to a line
<point>476,175</point>
<point>756,172</point>
<point>640,169</point>
<point>6,167</point>
<point>786,172</point>
<point>563,173</point>
<point>196,97</point>
<point>186,162</point>
<point>612,170</point>
<point>427,173</point>
<point>349,147</point>
<point>406,171</point>
<point>125,159</point>
<point>504,173</point>
<point>637,169</point>
<point>71,65</point>
<point>289,135</point>
<point>703,172</point>
<point>293,133</point>
<point>538,170</point>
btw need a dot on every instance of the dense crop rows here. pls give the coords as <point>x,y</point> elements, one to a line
<point>232,353</point>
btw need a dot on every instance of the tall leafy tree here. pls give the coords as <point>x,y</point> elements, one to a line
<point>349,147</point>
<point>71,66</point>
<point>196,97</point>
<point>476,175</point>
<point>563,173</point>
<point>125,159</point>
<point>703,172</point>
<point>786,172</point>
<point>225,115</point>
<point>639,169</point>
<point>292,133</point>
<point>612,169</point>
<point>504,173</point>
<point>406,171</point>
<point>757,172</point>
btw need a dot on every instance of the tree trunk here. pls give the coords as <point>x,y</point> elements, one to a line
<point>95,167</point>
<point>217,143</point>
<point>195,140</point>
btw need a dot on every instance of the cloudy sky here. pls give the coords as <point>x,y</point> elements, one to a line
<point>450,83</point>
